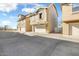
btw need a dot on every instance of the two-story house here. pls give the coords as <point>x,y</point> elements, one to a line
<point>70,18</point>
<point>24,24</point>
<point>44,20</point>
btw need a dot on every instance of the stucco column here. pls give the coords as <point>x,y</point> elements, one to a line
<point>33,28</point>
<point>65,28</point>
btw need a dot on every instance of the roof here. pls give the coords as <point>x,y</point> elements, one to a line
<point>31,14</point>
<point>40,9</point>
<point>64,4</point>
<point>22,17</point>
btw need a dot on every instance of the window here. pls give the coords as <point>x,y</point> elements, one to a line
<point>40,15</point>
<point>75,7</point>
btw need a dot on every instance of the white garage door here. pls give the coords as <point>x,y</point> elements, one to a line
<point>22,30</point>
<point>75,29</point>
<point>40,29</point>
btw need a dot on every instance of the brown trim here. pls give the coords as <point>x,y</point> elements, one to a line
<point>74,21</point>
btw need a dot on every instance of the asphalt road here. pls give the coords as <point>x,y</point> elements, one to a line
<point>15,44</point>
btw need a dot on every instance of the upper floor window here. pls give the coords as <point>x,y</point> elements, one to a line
<point>75,7</point>
<point>40,15</point>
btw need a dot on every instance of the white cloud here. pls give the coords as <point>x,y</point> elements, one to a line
<point>34,8</point>
<point>6,22</point>
<point>5,7</point>
<point>37,6</point>
<point>28,10</point>
<point>9,23</point>
<point>4,14</point>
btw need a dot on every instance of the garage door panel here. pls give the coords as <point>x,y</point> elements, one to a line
<point>40,28</point>
<point>22,29</point>
<point>75,29</point>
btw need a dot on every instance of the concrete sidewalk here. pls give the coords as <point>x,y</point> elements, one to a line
<point>55,36</point>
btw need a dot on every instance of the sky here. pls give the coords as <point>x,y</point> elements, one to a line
<point>9,12</point>
<point>59,18</point>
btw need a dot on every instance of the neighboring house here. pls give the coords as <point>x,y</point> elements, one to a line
<point>44,20</point>
<point>23,24</point>
<point>70,18</point>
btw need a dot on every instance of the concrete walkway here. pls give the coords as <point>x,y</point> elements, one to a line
<point>55,36</point>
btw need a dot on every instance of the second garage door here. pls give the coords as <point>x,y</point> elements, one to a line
<point>74,29</point>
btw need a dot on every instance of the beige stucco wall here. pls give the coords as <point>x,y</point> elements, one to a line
<point>24,25</point>
<point>70,21</point>
<point>39,25</point>
<point>68,15</point>
<point>36,20</point>
<point>18,26</point>
<point>65,28</point>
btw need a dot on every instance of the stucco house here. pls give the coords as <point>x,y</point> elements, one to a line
<point>70,19</point>
<point>24,24</point>
<point>44,20</point>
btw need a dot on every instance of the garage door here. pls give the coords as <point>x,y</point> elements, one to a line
<point>22,30</point>
<point>40,29</point>
<point>75,29</point>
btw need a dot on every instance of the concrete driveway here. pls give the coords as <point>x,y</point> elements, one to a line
<point>15,44</point>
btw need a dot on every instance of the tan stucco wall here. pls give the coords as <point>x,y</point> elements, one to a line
<point>68,15</point>
<point>24,25</point>
<point>70,19</point>
<point>36,20</point>
<point>19,26</point>
<point>65,28</point>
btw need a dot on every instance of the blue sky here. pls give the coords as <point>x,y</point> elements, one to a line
<point>58,7</point>
<point>9,12</point>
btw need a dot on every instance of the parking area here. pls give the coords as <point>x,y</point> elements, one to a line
<point>15,44</point>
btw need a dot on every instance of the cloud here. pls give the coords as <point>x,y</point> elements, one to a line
<point>4,14</point>
<point>8,23</point>
<point>5,7</point>
<point>37,6</point>
<point>5,22</point>
<point>34,7</point>
<point>28,10</point>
